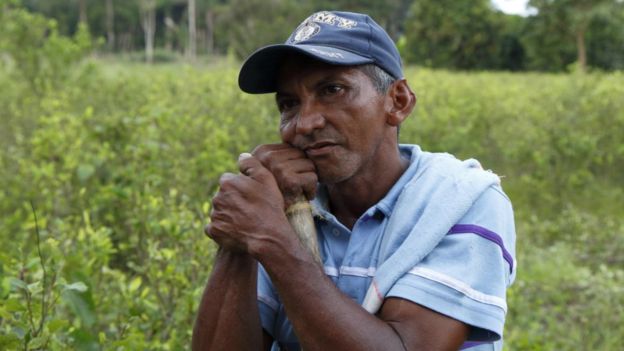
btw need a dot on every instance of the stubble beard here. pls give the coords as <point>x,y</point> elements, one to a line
<point>338,171</point>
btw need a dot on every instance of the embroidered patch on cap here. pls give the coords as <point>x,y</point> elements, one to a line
<point>305,31</point>
<point>331,19</point>
<point>309,28</point>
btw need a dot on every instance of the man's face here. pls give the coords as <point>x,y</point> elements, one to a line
<point>334,114</point>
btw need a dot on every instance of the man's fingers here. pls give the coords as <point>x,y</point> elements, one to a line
<point>301,165</point>
<point>309,186</point>
<point>226,177</point>
<point>244,167</point>
<point>294,173</point>
<point>271,154</point>
<point>281,148</point>
<point>251,167</point>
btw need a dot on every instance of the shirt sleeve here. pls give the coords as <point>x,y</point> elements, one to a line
<point>272,315</point>
<point>268,302</point>
<point>466,276</point>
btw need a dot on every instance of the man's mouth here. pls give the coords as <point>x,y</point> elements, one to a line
<point>319,148</point>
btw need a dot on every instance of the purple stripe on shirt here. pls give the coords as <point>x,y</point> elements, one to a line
<point>469,344</point>
<point>484,233</point>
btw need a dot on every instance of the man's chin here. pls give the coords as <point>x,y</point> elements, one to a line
<point>327,177</point>
<point>333,170</point>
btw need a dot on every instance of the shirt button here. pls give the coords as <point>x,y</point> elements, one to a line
<point>336,232</point>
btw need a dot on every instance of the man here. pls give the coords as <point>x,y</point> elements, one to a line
<point>417,248</point>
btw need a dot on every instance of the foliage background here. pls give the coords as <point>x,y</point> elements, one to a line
<point>450,34</point>
<point>107,168</point>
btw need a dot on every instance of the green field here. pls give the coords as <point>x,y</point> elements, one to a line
<point>118,161</point>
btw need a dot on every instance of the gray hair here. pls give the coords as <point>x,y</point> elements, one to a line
<point>381,79</point>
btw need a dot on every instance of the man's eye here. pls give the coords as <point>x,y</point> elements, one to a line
<point>332,89</point>
<point>286,104</point>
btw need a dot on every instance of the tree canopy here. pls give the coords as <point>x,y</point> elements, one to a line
<point>436,33</point>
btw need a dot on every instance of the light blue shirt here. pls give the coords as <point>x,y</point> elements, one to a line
<point>464,277</point>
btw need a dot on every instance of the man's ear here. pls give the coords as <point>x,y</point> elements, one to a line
<point>401,101</point>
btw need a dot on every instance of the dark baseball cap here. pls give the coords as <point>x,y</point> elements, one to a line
<point>333,37</point>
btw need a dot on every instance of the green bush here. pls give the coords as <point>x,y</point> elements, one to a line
<point>39,54</point>
<point>120,168</point>
<point>556,138</point>
<point>559,303</point>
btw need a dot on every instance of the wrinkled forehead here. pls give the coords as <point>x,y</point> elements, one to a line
<point>294,67</point>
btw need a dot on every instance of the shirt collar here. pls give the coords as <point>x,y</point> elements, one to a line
<point>386,204</point>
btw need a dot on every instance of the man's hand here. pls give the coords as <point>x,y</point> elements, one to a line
<point>294,172</point>
<point>248,210</point>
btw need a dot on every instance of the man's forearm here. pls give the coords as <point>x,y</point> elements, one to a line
<point>322,316</point>
<point>228,317</point>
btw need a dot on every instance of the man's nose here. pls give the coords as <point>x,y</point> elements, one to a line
<point>310,118</point>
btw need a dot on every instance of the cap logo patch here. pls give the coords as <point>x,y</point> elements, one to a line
<point>305,31</point>
<point>309,28</point>
<point>331,19</point>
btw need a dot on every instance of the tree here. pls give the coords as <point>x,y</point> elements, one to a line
<point>110,25</point>
<point>571,19</point>
<point>192,28</point>
<point>210,24</point>
<point>207,13</point>
<point>452,34</point>
<point>66,13</point>
<point>249,24</point>
<point>605,37</point>
<point>147,10</point>
<point>82,10</point>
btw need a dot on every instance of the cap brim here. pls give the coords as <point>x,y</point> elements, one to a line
<point>258,75</point>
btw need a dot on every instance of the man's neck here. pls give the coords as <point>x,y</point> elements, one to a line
<point>348,200</point>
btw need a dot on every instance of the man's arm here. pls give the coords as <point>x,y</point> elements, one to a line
<point>228,313</point>
<point>326,319</point>
<point>249,216</point>
<point>228,316</point>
